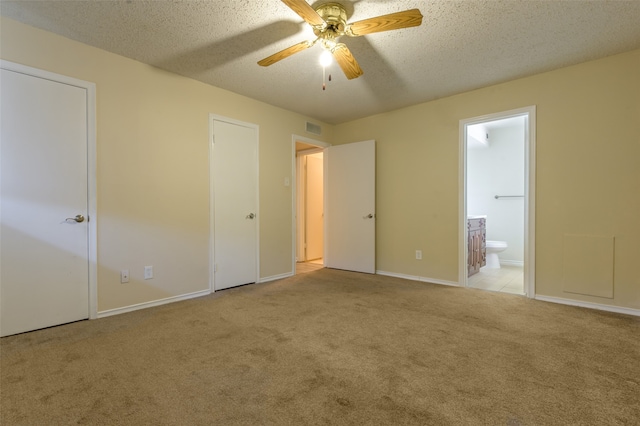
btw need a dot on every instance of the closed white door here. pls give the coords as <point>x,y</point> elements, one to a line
<point>44,279</point>
<point>314,209</point>
<point>235,195</point>
<point>350,203</point>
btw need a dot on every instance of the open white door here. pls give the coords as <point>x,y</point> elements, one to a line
<point>44,251</point>
<point>350,189</point>
<point>235,195</point>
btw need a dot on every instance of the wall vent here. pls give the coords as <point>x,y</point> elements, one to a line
<point>314,128</point>
<point>589,262</point>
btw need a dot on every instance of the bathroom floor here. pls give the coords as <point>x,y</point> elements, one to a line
<point>507,279</point>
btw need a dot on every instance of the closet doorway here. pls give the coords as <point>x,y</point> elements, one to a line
<point>309,196</point>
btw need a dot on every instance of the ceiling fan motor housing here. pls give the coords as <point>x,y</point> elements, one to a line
<point>335,17</point>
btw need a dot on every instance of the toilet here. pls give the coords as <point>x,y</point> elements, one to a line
<point>493,248</point>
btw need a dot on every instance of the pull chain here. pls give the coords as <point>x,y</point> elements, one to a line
<point>324,85</point>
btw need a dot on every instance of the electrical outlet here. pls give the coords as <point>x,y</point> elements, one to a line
<point>418,254</point>
<point>124,276</point>
<point>148,272</point>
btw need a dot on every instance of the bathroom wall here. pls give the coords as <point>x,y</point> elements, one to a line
<point>497,168</point>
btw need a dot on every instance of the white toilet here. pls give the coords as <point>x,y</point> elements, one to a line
<point>493,248</point>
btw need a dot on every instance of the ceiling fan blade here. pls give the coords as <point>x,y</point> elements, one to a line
<point>306,12</point>
<point>393,21</point>
<point>347,62</point>
<point>270,60</point>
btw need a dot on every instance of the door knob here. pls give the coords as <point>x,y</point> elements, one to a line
<point>79,218</point>
<point>250,216</point>
<point>369,216</point>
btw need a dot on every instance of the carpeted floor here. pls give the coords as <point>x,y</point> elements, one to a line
<point>330,347</point>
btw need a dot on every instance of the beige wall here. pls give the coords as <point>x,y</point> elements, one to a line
<point>588,172</point>
<point>153,191</point>
<point>153,167</point>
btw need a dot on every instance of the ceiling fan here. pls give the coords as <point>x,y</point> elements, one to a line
<point>329,22</point>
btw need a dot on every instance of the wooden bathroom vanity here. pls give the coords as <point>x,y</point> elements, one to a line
<point>476,242</point>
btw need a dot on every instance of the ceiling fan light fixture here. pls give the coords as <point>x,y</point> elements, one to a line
<point>329,23</point>
<point>326,58</point>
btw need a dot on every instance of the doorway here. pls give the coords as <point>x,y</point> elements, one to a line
<point>349,176</point>
<point>497,196</point>
<point>309,205</point>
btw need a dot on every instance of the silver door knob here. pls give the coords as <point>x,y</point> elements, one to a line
<point>250,216</point>
<point>79,218</point>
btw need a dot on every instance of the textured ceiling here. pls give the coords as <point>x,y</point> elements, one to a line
<point>461,45</point>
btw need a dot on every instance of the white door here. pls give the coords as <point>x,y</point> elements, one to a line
<point>314,209</point>
<point>44,256</point>
<point>350,203</point>
<point>235,195</point>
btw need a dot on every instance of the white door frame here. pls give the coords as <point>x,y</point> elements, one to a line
<point>212,258</point>
<point>529,194</point>
<point>92,219</point>
<point>294,193</point>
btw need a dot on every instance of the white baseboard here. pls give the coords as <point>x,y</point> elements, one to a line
<point>417,278</point>
<point>511,262</point>
<point>276,277</point>
<point>138,306</point>
<point>590,305</point>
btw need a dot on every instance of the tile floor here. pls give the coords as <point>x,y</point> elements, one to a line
<point>312,265</point>
<point>507,279</point>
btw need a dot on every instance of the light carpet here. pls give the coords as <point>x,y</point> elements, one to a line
<point>330,347</point>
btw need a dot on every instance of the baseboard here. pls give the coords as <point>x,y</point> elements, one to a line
<point>138,306</point>
<point>417,278</point>
<point>590,305</point>
<point>276,277</point>
<point>511,262</point>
